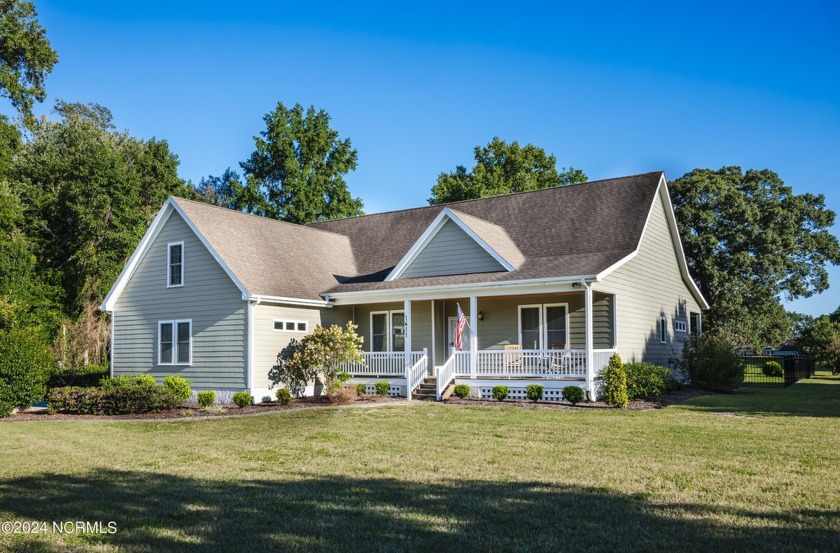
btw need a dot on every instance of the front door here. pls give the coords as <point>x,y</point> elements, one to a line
<point>450,335</point>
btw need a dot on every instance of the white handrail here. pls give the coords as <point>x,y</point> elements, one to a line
<point>536,363</point>
<point>415,374</point>
<point>458,364</point>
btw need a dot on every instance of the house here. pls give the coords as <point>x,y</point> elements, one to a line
<point>552,283</point>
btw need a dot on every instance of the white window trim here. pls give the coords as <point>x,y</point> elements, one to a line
<point>544,322</point>
<point>389,337</point>
<point>294,322</point>
<point>174,323</point>
<point>663,330</point>
<point>537,306</point>
<point>543,327</point>
<point>169,263</point>
<point>680,326</point>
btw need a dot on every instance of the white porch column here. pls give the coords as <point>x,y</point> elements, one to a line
<point>473,336</point>
<point>432,357</point>
<point>590,373</point>
<point>407,335</point>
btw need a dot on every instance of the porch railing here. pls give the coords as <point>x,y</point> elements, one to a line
<point>415,374</point>
<point>457,364</point>
<point>600,359</point>
<point>531,363</point>
<point>384,363</point>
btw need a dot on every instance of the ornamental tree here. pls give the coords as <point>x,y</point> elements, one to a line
<point>320,355</point>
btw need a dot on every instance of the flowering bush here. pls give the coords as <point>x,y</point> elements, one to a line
<point>111,401</point>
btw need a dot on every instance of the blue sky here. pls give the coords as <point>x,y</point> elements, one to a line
<point>612,89</point>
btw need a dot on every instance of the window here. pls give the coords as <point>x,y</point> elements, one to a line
<point>696,323</point>
<point>555,327</point>
<point>175,342</point>
<point>387,331</point>
<point>680,326</point>
<point>544,326</point>
<point>663,330</point>
<point>290,326</point>
<point>529,326</point>
<point>174,264</point>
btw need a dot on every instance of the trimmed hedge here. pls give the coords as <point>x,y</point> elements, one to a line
<point>534,392</point>
<point>462,390</point>
<point>361,389</point>
<point>206,398</point>
<point>111,401</point>
<point>500,392</point>
<point>573,394</point>
<point>645,380</point>
<point>382,388</point>
<point>243,399</point>
<point>284,396</point>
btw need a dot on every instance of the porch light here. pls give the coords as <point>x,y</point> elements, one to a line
<point>480,316</point>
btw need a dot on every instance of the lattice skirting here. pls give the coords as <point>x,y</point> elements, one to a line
<point>549,394</point>
<point>393,391</point>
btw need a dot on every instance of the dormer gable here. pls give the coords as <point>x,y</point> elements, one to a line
<point>456,243</point>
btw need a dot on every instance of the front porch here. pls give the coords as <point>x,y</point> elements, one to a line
<point>557,339</point>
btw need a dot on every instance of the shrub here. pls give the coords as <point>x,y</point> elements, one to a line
<point>120,381</point>
<point>462,391</point>
<point>243,399</point>
<point>344,394</point>
<point>25,364</point>
<point>500,392</point>
<point>206,398</point>
<point>361,389</point>
<point>284,396</point>
<point>382,388</point>
<point>710,362</point>
<point>645,380</point>
<point>672,384</point>
<point>573,394</point>
<point>615,383</point>
<point>534,392</point>
<point>179,386</point>
<point>111,401</point>
<point>144,380</point>
<point>773,369</point>
<point>87,375</point>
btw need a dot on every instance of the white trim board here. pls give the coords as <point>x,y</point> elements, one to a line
<point>431,231</point>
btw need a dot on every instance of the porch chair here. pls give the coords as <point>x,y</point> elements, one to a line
<point>559,362</point>
<point>512,356</point>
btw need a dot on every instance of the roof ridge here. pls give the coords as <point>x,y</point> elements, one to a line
<point>260,217</point>
<point>448,204</point>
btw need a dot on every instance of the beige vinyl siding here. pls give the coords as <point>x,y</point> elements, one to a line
<point>268,342</point>
<point>208,297</point>
<point>451,252</point>
<point>649,286</point>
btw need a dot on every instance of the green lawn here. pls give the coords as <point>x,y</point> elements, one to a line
<point>755,471</point>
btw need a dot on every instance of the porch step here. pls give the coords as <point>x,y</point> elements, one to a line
<point>427,390</point>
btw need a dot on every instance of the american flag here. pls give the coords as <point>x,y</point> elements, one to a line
<point>459,330</point>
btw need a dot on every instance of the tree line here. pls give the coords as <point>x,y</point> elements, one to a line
<point>77,194</point>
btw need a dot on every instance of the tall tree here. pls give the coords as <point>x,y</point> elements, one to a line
<point>26,57</point>
<point>299,165</point>
<point>89,192</point>
<point>228,190</point>
<point>750,241</point>
<point>503,168</point>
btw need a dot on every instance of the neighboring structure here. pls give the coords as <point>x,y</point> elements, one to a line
<point>553,282</point>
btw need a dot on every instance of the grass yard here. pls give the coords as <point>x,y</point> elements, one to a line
<point>755,471</point>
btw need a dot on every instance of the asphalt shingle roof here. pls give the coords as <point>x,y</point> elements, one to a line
<point>572,230</point>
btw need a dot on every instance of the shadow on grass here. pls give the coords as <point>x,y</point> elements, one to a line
<point>171,513</point>
<point>815,397</point>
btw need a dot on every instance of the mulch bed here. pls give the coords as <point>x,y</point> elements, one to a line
<point>669,398</point>
<point>193,411</point>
